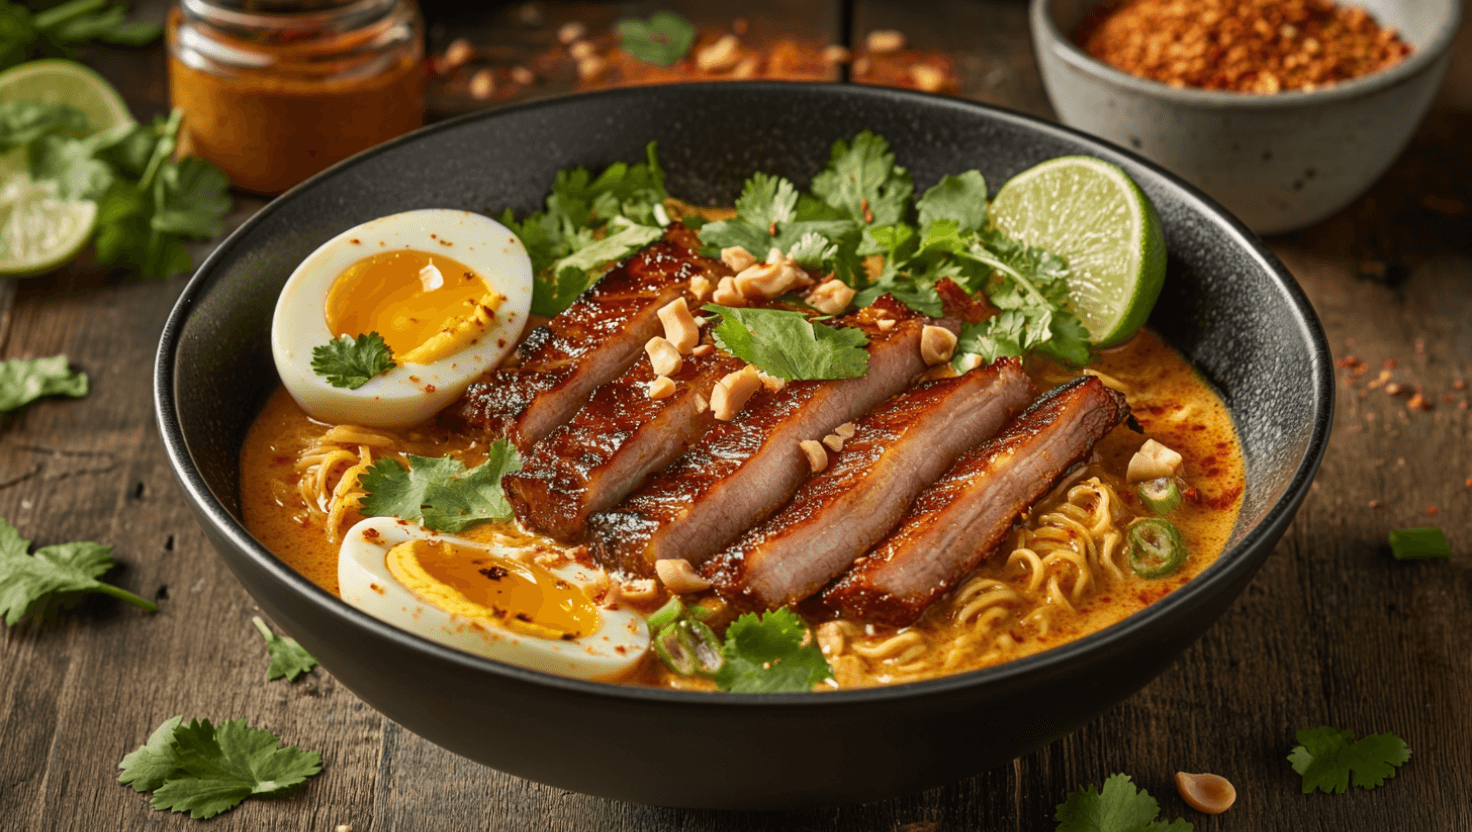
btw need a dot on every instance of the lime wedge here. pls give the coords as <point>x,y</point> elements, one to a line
<point>1091,213</point>
<point>39,232</point>
<point>56,81</point>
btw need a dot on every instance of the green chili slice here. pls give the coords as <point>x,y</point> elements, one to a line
<point>1160,495</point>
<point>689,648</point>
<point>667,614</point>
<point>1155,548</point>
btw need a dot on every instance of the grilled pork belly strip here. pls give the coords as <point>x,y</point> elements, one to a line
<point>953,525</point>
<point>896,451</point>
<point>607,449</point>
<point>743,470</point>
<point>597,338</point>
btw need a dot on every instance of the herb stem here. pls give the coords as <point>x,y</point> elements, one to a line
<point>167,141</point>
<point>125,595</point>
<point>54,17</point>
<point>1015,275</point>
<point>261,625</point>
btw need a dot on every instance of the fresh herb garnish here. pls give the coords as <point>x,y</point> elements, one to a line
<point>52,33</point>
<point>352,363</point>
<point>770,213</point>
<point>1118,807</point>
<point>147,204</point>
<point>863,182</point>
<point>1327,757</point>
<point>205,769</point>
<point>288,658</point>
<point>438,492</point>
<point>583,211</point>
<point>771,653</point>
<point>22,381</point>
<point>53,577</point>
<point>1419,544</point>
<point>787,345</point>
<point>663,39</point>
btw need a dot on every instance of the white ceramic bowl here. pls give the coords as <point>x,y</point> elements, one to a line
<point>1279,162</point>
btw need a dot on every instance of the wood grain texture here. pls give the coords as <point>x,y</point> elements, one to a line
<point>1332,631</point>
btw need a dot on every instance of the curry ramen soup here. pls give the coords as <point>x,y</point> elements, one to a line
<point>1063,572</point>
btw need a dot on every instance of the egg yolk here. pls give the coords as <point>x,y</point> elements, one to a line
<point>425,306</point>
<point>475,584</point>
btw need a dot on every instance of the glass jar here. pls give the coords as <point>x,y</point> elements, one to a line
<point>274,91</point>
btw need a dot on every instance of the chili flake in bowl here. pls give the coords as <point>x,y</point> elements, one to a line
<point>1285,112</point>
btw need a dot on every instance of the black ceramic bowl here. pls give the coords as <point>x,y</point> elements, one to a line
<point>1228,305</point>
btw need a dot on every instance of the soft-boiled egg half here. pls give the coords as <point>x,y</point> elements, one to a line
<point>447,290</point>
<point>483,599</point>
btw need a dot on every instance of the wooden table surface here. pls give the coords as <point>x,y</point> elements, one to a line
<point>1332,631</point>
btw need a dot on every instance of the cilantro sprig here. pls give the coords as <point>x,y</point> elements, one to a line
<point>770,213</point>
<point>22,381</point>
<point>288,658</point>
<point>53,32</point>
<point>352,362</point>
<point>1328,758</point>
<point>205,769</point>
<point>57,576</point>
<point>787,345</point>
<point>1118,807</point>
<point>662,40</point>
<point>770,653</point>
<point>438,492</point>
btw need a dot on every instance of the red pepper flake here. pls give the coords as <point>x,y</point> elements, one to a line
<point>1468,483</point>
<point>1346,361</point>
<point>1418,402</point>
<point>1431,509</point>
<point>1389,363</point>
<point>429,388</point>
<point>1374,504</point>
<point>1450,206</point>
<point>1394,388</point>
<point>868,215</point>
<point>1420,346</point>
<point>1447,398</point>
<point>772,229</point>
<point>1460,384</point>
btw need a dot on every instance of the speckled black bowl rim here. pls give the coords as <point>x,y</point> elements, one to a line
<point>1423,57</point>
<point>1229,565</point>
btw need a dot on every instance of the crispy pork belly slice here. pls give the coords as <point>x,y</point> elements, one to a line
<point>596,339</point>
<point>953,525</point>
<point>896,451</point>
<point>743,470</point>
<point>607,449</point>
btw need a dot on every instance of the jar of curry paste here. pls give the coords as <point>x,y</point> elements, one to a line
<point>274,91</point>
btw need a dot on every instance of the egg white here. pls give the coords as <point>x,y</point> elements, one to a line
<point>366,583</point>
<point>408,393</point>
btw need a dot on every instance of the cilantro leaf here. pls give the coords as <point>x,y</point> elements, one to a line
<point>961,199</point>
<point>22,122</point>
<point>52,32</point>
<point>147,767</point>
<point>863,181</point>
<point>663,39</point>
<point>775,653</point>
<point>1119,807</point>
<point>22,381</point>
<point>438,492</point>
<point>787,345</point>
<point>575,273</point>
<point>54,576</point>
<point>350,363</point>
<point>191,199</point>
<point>288,658</point>
<point>211,769</point>
<point>1326,758</point>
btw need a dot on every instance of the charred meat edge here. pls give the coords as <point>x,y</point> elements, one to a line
<point>895,452</point>
<point>956,523</point>
<point>744,469</point>
<point>598,337</point>
<point>612,444</point>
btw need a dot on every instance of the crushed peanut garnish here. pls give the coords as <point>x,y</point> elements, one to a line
<point>639,590</point>
<point>886,324</point>
<point>661,388</point>
<point>719,56</point>
<point>679,577</point>
<point>663,357</point>
<point>937,344</point>
<point>846,430</point>
<point>737,258</point>
<point>881,41</point>
<point>726,294</point>
<point>817,456</point>
<point>771,383</point>
<point>830,297</point>
<point>482,84</point>
<point>834,442</point>
<point>731,393</point>
<point>679,325</point>
<point>701,288</point>
<point>702,349</point>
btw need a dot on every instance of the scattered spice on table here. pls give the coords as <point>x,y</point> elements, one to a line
<point>1251,46</point>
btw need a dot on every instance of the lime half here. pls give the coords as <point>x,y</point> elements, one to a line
<point>39,232</point>
<point>1092,214</point>
<point>56,81</point>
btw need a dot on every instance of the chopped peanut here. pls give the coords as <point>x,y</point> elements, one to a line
<point>459,53</point>
<point>765,281</point>
<point>747,68</point>
<point>881,41</point>
<point>661,388</point>
<point>927,78</point>
<point>836,55</point>
<point>846,430</point>
<point>679,577</point>
<point>582,49</point>
<point>523,76</point>
<point>937,344</point>
<point>703,349</point>
<point>817,457</point>
<point>731,393</point>
<point>679,325</point>
<point>591,67</point>
<point>726,294</point>
<point>719,56</point>
<point>969,362</point>
<point>482,84</point>
<point>701,405</point>
<point>1209,793</point>
<point>642,589</point>
<point>701,288</point>
<point>570,32</point>
<point>737,258</point>
<point>771,383</point>
<point>834,442</point>
<point>830,297</point>
<point>1151,462</point>
<point>663,356</point>
<point>886,324</point>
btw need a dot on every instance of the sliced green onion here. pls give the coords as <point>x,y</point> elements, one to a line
<point>1419,544</point>
<point>1161,495</point>
<point>1155,548</point>
<point>666,614</point>
<point>689,648</point>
